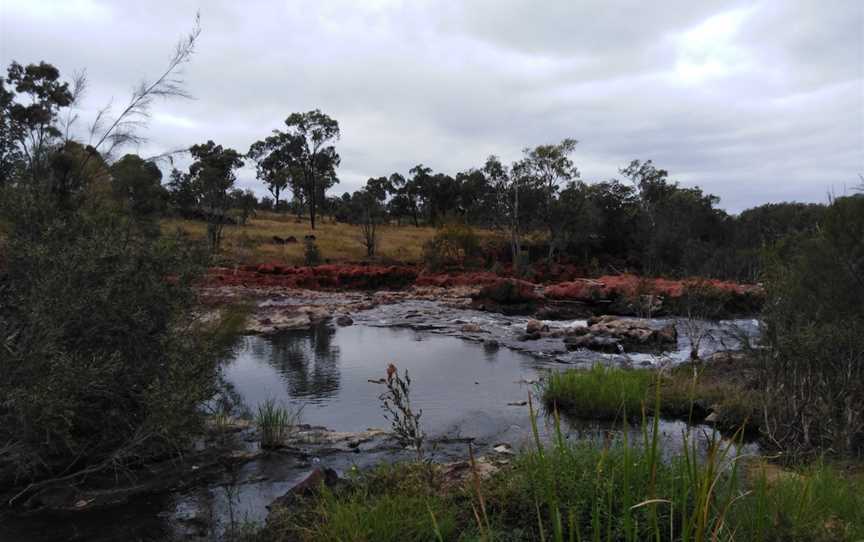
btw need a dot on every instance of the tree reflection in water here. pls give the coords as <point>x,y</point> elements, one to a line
<point>307,360</point>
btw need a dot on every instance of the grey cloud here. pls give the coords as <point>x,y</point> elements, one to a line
<point>752,101</point>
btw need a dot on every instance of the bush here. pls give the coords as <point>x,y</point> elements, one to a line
<point>814,319</point>
<point>311,253</point>
<point>103,363</point>
<point>453,246</point>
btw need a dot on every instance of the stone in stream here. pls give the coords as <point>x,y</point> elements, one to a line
<point>614,334</point>
<point>344,320</point>
<point>535,326</point>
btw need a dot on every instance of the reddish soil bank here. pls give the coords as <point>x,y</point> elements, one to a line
<point>632,285</point>
<point>554,288</point>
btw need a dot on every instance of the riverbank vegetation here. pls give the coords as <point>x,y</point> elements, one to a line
<point>613,489</point>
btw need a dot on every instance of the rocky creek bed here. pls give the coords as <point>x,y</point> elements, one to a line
<point>324,351</point>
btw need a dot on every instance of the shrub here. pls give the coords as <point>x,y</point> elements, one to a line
<point>103,362</point>
<point>311,253</point>
<point>814,319</point>
<point>453,246</point>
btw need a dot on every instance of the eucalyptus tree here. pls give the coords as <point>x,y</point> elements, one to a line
<point>29,114</point>
<point>313,135</point>
<point>547,167</point>
<point>212,177</point>
<point>277,162</point>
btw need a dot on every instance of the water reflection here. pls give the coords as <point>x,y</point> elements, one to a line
<point>307,361</point>
<point>328,372</point>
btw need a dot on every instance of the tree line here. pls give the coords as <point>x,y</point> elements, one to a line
<point>642,221</point>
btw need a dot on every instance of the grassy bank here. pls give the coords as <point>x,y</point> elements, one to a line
<point>338,242</point>
<point>693,392</point>
<point>586,491</point>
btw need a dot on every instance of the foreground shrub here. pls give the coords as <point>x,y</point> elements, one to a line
<point>814,366</point>
<point>102,361</point>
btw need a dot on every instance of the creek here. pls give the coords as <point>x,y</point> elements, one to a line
<point>469,384</point>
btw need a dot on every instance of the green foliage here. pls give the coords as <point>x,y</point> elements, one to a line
<point>275,423</point>
<point>604,393</point>
<point>102,360</point>
<point>310,252</point>
<point>814,369</point>
<point>404,420</point>
<point>453,246</point>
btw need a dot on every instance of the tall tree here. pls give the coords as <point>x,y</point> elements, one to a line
<point>314,133</point>
<point>277,162</point>
<point>32,124</point>
<point>547,167</point>
<point>212,176</point>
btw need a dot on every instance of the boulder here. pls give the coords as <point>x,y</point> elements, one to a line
<point>344,320</point>
<point>311,484</point>
<point>473,328</point>
<point>614,334</point>
<point>535,326</point>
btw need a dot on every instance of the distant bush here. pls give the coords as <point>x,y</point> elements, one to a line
<point>453,246</point>
<point>311,254</point>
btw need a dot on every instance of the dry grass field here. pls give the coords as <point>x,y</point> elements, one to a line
<point>337,242</point>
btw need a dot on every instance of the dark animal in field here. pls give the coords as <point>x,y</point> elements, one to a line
<point>278,240</point>
<point>291,239</point>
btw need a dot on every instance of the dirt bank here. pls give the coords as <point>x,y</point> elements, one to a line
<point>555,294</point>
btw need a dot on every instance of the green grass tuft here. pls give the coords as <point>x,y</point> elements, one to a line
<point>602,393</point>
<point>275,423</point>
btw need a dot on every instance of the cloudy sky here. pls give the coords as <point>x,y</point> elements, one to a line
<point>754,101</point>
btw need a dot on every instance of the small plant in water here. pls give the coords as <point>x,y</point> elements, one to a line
<point>275,422</point>
<point>396,402</point>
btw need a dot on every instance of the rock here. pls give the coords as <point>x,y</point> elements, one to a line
<point>503,449</point>
<point>535,326</point>
<point>518,403</point>
<point>530,336</point>
<point>344,320</point>
<point>612,334</point>
<point>668,334</point>
<point>712,418</point>
<point>508,296</point>
<point>473,328</point>
<point>311,484</point>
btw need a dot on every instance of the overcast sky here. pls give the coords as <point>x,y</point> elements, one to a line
<point>754,101</point>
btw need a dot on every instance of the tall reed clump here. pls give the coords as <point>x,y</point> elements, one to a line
<point>276,423</point>
<point>620,490</point>
<point>601,393</point>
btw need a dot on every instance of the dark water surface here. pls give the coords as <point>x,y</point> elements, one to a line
<point>327,372</point>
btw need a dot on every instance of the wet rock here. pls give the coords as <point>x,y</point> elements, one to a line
<point>530,336</point>
<point>473,328</point>
<point>615,334</point>
<point>319,477</point>
<point>535,326</point>
<point>460,473</point>
<point>344,320</point>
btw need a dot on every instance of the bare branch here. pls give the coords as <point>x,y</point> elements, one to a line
<point>137,112</point>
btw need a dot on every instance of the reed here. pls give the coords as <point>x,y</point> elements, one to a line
<point>275,423</point>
